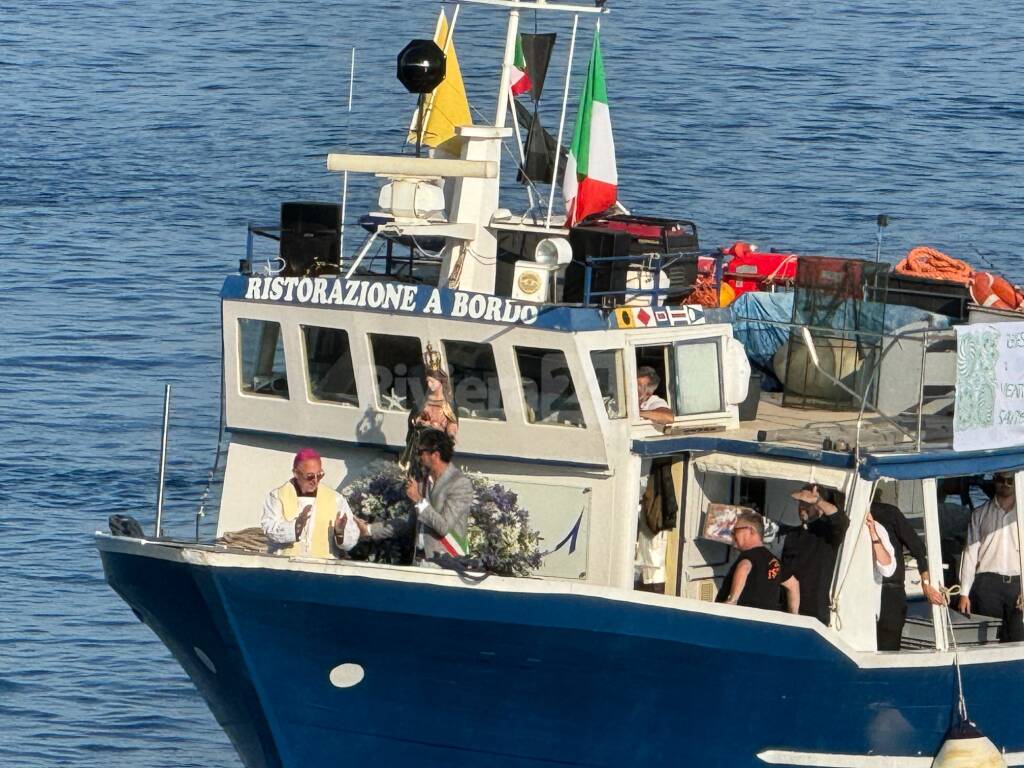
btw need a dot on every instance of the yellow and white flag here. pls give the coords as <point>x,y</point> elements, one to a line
<point>447,107</point>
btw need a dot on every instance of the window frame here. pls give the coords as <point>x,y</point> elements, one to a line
<point>243,390</point>
<point>524,403</point>
<point>620,375</point>
<point>311,395</point>
<point>718,342</point>
<point>503,417</point>
<point>378,402</point>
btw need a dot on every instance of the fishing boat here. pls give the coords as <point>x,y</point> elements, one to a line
<point>308,660</point>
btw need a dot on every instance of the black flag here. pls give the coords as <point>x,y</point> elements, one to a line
<point>537,55</point>
<point>539,150</point>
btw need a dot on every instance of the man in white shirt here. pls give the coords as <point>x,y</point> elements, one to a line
<point>303,517</point>
<point>653,408</point>
<point>990,568</point>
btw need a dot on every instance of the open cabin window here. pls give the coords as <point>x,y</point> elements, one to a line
<point>548,389</point>
<point>697,377</point>
<point>657,356</point>
<point>262,358</point>
<point>398,365</point>
<point>474,380</point>
<point>329,364</point>
<point>608,369</point>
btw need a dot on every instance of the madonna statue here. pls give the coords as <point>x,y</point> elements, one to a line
<point>435,411</point>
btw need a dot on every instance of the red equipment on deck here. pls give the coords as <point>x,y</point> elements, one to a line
<point>750,270</point>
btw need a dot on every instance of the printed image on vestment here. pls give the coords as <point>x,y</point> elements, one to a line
<point>976,357</point>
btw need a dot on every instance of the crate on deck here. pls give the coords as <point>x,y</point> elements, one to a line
<point>651,234</point>
<point>833,299</point>
<point>943,297</point>
<point>612,247</point>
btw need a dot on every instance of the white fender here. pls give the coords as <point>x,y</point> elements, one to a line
<point>966,747</point>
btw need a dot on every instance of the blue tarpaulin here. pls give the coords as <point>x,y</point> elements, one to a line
<point>760,322</point>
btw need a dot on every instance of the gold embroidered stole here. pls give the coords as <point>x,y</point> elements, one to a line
<point>321,522</point>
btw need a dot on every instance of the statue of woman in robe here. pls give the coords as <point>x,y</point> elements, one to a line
<point>435,411</point>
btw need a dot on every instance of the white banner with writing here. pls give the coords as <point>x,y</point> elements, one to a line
<point>989,409</point>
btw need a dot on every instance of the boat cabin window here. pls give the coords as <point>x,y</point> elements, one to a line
<point>398,364</point>
<point>262,350</point>
<point>474,380</point>
<point>329,364</point>
<point>698,377</point>
<point>547,387</point>
<point>656,356</point>
<point>691,374</point>
<point>608,367</point>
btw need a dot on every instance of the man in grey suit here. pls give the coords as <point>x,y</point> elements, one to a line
<point>443,515</point>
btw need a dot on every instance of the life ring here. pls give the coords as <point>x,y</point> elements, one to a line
<point>993,291</point>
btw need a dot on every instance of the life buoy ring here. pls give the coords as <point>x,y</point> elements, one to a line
<point>990,290</point>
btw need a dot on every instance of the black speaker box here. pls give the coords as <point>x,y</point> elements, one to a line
<point>310,238</point>
<point>597,242</point>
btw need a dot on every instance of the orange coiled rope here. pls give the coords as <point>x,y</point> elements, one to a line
<point>705,292</point>
<point>929,262</point>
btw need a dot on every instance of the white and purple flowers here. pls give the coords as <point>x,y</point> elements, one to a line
<point>500,538</point>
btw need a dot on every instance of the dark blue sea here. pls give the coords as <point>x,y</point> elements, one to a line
<point>138,138</point>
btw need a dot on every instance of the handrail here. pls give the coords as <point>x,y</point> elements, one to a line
<point>813,353</point>
<point>652,262</point>
<point>163,462</point>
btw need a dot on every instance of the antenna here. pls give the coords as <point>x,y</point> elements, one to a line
<point>344,178</point>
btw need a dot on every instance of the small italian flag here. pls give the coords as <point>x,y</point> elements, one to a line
<point>520,80</point>
<point>455,545</point>
<point>590,184</point>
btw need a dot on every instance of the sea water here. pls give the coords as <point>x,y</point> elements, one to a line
<point>137,139</point>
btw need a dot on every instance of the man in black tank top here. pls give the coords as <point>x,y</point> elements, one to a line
<point>756,579</point>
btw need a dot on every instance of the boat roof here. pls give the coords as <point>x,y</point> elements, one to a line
<point>797,434</point>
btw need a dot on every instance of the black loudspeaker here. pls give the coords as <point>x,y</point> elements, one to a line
<point>609,276</point>
<point>310,238</point>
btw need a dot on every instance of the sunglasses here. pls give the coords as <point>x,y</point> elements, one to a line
<point>309,476</point>
<point>1004,480</point>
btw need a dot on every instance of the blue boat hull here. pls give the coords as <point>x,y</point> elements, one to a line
<point>470,677</point>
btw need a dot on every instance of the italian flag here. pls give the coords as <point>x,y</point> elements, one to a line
<point>591,180</point>
<point>520,80</point>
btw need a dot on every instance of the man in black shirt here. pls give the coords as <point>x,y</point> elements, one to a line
<point>755,579</point>
<point>810,550</point>
<point>892,614</point>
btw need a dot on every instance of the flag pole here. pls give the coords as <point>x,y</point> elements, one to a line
<point>522,150</point>
<point>511,35</point>
<point>344,178</point>
<point>561,119</point>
